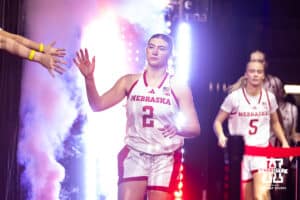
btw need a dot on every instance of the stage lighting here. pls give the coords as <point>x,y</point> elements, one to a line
<point>292,89</point>
<point>188,5</point>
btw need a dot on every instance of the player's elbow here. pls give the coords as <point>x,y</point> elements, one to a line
<point>95,107</point>
<point>195,131</point>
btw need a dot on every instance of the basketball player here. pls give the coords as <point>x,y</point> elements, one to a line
<point>250,111</point>
<point>269,80</point>
<point>47,56</point>
<point>149,163</point>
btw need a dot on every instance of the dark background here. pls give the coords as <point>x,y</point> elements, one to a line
<point>221,47</point>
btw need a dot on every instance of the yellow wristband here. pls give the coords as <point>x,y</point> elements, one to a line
<point>31,55</point>
<point>41,47</point>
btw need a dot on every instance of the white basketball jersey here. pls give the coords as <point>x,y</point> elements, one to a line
<point>148,110</point>
<point>250,116</point>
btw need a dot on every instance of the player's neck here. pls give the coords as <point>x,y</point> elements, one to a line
<point>155,73</point>
<point>155,76</point>
<point>253,90</point>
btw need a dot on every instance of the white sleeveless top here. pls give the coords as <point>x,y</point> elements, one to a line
<point>149,109</point>
<point>250,116</point>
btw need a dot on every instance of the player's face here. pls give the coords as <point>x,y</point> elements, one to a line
<point>255,73</point>
<point>157,52</point>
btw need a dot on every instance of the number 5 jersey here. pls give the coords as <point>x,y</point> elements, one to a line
<point>250,115</point>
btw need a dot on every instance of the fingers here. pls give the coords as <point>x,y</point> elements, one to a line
<point>51,72</point>
<point>81,55</point>
<point>52,43</point>
<point>59,69</point>
<point>93,60</point>
<point>86,54</point>
<point>75,62</point>
<point>168,131</point>
<point>59,52</point>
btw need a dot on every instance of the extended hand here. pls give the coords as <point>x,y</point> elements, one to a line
<point>52,63</point>
<point>50,49</point>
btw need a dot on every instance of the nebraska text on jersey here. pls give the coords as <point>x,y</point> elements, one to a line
<point>253,114</point>
<point>160,100</point>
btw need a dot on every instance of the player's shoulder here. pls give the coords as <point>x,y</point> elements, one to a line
<point>130,79</point>
<point>236,93</point>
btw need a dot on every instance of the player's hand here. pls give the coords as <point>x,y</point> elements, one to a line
<point>285,144</point>
<point>52,64</point>
<point>50,49</point>
<point>222,141</point>
<point>82,61</point>
<point>168,130</point>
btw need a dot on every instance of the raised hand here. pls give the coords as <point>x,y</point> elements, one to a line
<point>82,61</point>
<point>51,50</point>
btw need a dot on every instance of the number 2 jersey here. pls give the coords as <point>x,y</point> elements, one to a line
<point>249,116</point>
<point>148,110</point>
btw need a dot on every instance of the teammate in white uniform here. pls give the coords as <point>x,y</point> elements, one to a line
<point>149,163</point>
<point>250,110</point>
<point>47,56</point>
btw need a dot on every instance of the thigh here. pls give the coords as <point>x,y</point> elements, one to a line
<point>132,190</point>
<point>262,178</point>
<point>159,195</point>
<point>247,191</point>
<point>261,187</point>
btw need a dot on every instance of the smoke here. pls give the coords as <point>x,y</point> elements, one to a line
<point>47,114</point>
<point>148,14</point>
<point>49,105</point>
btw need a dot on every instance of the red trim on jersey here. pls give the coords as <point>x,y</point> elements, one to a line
<point>248,180</point>
<point>176,170</point>
<point>175,97</point>
<point>269,102</point>
<point>131,88</point>
<point>245,95</point>
<point>144,78</point>
<point>159,188</point>
<point>161,83</point>
<point>121,157</point>
<point>254,171</point>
